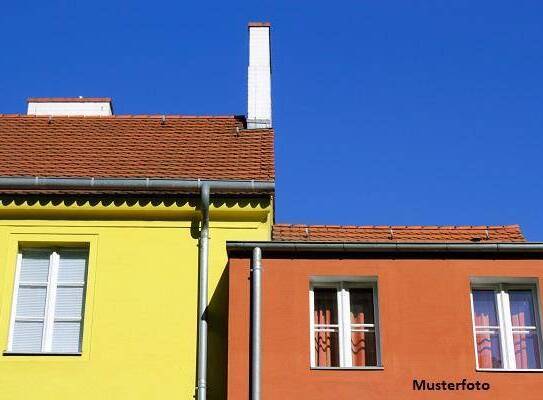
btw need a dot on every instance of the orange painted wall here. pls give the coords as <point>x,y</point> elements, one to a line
<point>426,332</point>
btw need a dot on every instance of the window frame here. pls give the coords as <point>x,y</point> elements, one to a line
<point>51,286</point>
<point>342,288</point>
<point>503,312</point>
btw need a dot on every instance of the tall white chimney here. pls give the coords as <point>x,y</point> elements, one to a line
<point>259,112</point>
<point>65,106</point>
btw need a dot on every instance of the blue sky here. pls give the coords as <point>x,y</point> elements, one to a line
<point>386,112</point>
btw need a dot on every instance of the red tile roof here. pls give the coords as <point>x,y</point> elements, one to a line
<point>136,146</point>
<point>335,233</point>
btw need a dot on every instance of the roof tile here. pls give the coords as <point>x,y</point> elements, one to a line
<point>135,146</point>
<point>336,233</point>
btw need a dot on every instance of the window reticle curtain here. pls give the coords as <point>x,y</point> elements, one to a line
<point>523,323</point>
<point>362,336</point>
<point>487,329</point>
<point>326,329</point>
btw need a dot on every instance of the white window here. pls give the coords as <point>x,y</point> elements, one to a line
<point>48,301</point>
<point>344,325</point>
<point>506,326</point>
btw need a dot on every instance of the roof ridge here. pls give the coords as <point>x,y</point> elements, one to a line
<point>418,227</point>
<point>123,116</point>
<point>399,233</point>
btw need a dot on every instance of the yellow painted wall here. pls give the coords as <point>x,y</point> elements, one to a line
<point>139,339</point>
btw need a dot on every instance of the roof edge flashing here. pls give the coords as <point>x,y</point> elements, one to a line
<point>397,247</point>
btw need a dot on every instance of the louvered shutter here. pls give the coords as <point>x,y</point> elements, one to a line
<point>48,301</point>
<point>31,296</point>
<point>70,296</point>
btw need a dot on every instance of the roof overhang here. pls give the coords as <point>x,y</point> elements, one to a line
<point>396,248</point>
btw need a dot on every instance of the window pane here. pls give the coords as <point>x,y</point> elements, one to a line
<point>66,337</point>
<point>31,302</point>
<point>72,266</point>
<point>522,309</point>
<point>361,306</point>
<point>69,302</point>
<point>34,267</point>
<point>327,349</point>
<point>363,348</point>
<point>325,313</point>
<point>484,304</point>
<point>526,350</point>
<point>27,336</point>
<point>325,306</point>
<point>488,350</point>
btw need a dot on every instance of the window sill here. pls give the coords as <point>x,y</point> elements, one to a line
<point>36,354</point>
<point>508,370</point>
<point>347,368</point>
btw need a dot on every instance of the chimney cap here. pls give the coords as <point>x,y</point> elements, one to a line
<point>65,106</point>
<point>259,25</point>
<point>68,100</point>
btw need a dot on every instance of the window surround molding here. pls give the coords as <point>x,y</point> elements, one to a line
<point>47,240</point>
<point>500,286</point>
<point>342,284</point>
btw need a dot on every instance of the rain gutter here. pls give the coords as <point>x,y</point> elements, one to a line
<point>397,247</point>
<point>29,183</point>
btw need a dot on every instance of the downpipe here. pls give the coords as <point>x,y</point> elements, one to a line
<point>203,268</point>
<point>256,324</point>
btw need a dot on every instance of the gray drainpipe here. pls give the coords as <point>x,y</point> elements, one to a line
<point>202,293</point>
<point>256,322</point>
<point>205,187</point>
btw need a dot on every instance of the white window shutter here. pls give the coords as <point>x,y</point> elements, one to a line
<point>35,267</point>
<point>48,301</point>
<point>27,336</point>
<point>72,266</point>
<point>66,337</point>
<point>31,302</point>
<point>69,300</point>
<point>31,295</point>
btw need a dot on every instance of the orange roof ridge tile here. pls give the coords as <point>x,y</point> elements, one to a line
<point>121,116</point>
<point>402,233</point>
<point>283,224</point>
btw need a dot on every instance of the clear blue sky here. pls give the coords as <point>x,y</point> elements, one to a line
<point>386,112</point>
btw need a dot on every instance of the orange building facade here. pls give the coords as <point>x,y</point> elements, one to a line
<point>386,319</point>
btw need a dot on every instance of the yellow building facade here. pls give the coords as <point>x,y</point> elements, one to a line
<point>140,308</point>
